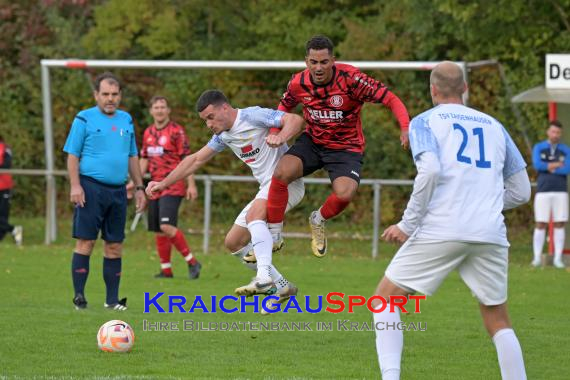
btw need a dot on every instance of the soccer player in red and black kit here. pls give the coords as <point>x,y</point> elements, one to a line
<point>6,185</point>
<point>164,145</point>
<point>332,95</point>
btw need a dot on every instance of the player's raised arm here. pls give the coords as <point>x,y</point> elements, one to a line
<point>368,89</point>
<point>186,167</point>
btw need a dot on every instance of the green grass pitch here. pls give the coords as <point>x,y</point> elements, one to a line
<point>44,337</point>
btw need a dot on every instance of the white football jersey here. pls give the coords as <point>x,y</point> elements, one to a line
<point>246,138</point>
<point>476,154</point>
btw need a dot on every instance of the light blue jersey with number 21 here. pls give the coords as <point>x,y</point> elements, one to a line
<point>476,155</point>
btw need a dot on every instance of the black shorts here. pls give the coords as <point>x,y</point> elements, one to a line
<point>163,210</point>
<point>338,163</point>
<point>105,210</point>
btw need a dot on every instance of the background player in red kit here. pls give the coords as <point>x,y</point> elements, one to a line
<point>332,95</point>
<point>164,145</point>
<point>6,185</point>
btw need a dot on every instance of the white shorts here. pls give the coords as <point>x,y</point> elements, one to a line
<point>421,266</point>
<point>296,193</point>
<point>551,201</point>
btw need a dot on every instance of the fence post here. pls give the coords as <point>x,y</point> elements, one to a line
<point>207,213</point>
<point>51,219</point>
<point>376,234</point>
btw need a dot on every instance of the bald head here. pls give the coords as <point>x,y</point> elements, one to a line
<point>447,80</point>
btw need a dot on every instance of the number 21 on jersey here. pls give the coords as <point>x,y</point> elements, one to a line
<point>478,133</point>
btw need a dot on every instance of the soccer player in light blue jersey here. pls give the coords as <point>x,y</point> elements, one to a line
<point>469,171</point>
<point>101,151</point>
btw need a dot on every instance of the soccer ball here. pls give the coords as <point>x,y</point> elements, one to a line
<point>115,336</point>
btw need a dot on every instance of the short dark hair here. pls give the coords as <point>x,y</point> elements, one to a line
<point>319,42</point>
<point>555,123</point>
<point>214,97</point>
<point>108,76</point>
<point>156,98</point>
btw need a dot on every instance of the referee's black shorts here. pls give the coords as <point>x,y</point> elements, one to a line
<point>338,163</point>
<point>163,210</point>
<point>105,211</point>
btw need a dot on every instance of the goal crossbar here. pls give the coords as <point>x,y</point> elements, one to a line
<point>46,64</point>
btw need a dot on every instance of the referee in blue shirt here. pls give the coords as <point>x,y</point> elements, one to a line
<point>551,159</point>
<point>101,151</point>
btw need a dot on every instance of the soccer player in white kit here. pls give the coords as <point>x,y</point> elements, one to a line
<point>469,171</point>
<point>246,133</point>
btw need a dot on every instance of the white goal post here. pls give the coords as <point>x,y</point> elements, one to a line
<point>47,64</point>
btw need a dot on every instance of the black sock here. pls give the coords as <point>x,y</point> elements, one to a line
<point>79,271</point>
<point>112,277</point>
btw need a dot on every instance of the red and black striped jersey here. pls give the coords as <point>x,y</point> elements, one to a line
<point>332,111</point>
<point>164,149</point>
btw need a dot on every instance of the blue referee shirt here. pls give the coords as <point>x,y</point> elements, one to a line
<point>103,144</point>
<point>544,153</point>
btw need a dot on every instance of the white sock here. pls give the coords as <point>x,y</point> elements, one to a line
<point>389,343</point>
<point>559,237</point>
<point>262,243</point>
<point>274,273</point>
<point>510,355</point>
<point>538,242</point>
<point>318,217</point>
<point>239,254</point>
<point>275,229</point>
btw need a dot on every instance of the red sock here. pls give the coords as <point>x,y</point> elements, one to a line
<point>333,206</point>
<point>277,201</point>
<point>163,247</point>
<point>181,245</point>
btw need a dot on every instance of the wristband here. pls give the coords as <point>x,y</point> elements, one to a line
<point>139,187</point>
